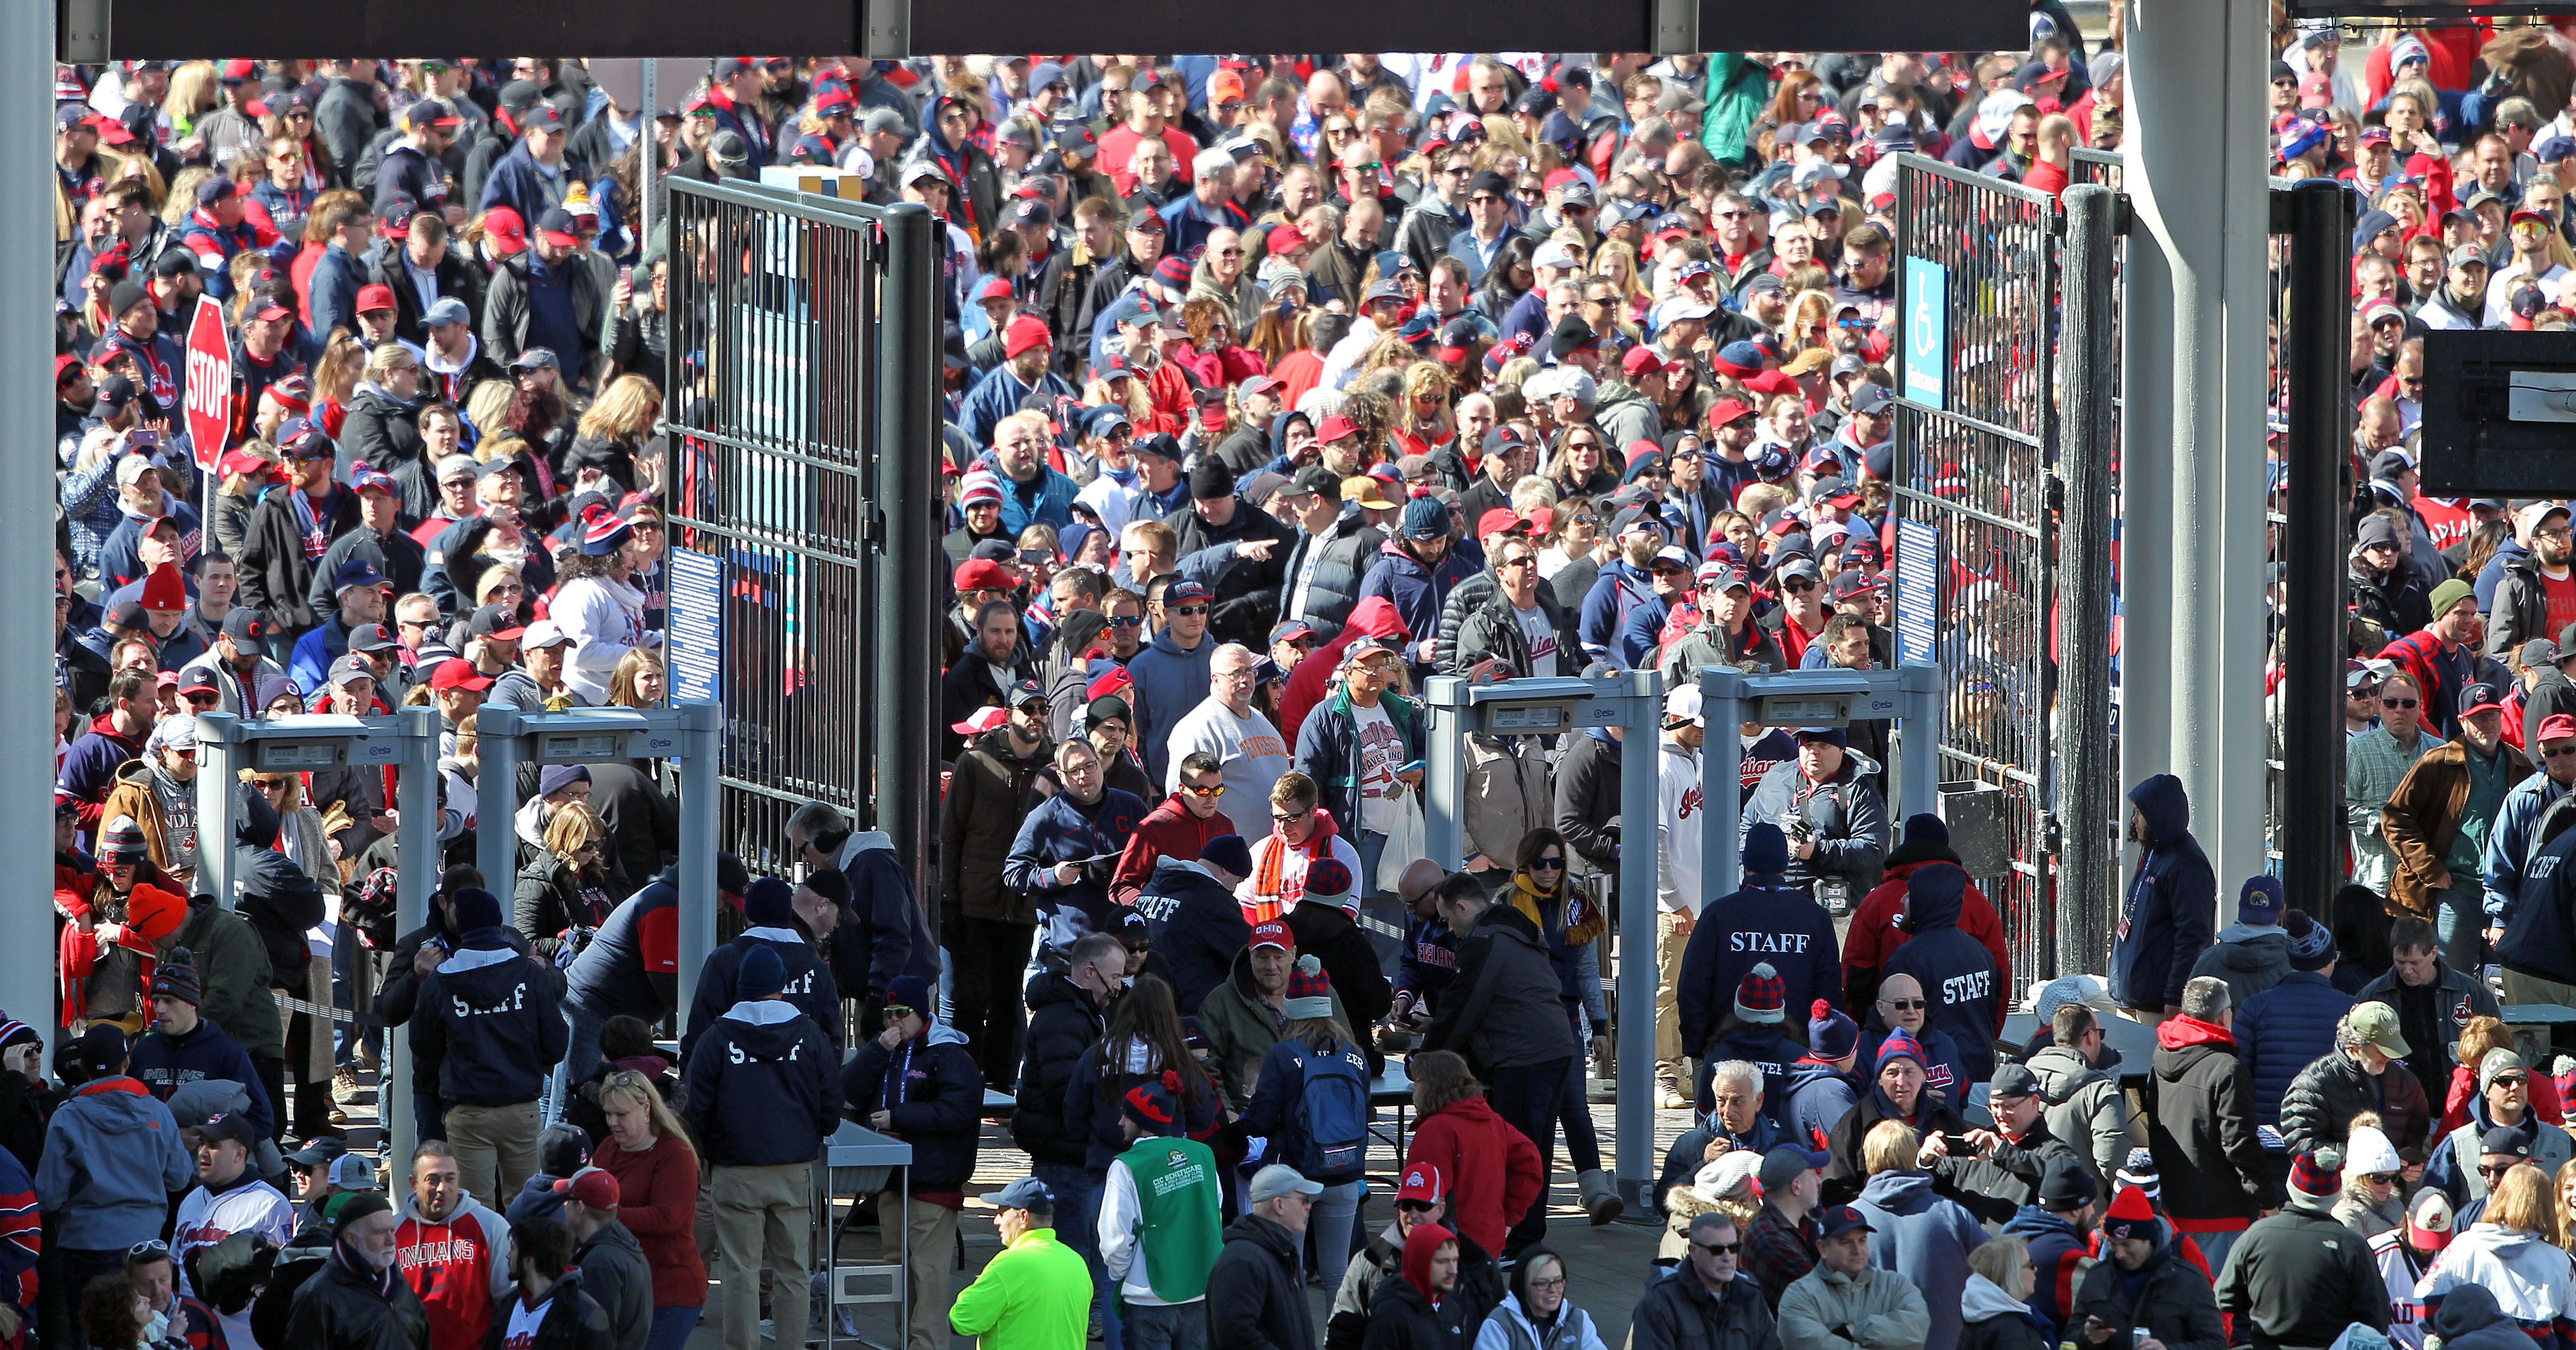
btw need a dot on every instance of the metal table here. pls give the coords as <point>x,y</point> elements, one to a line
<point>859,1161</point>
<point>1394,1087</point>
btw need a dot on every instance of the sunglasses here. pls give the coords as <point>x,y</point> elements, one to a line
<point>2495,1173</point>
<point>1907,1004</point>
<point>898,1011</point>
<point>1283,817</point>
<point>1800,584</point>
<point>1550,863</point>
<point>1198,791</point>
<point>1127,621</point>
<point>1719,1248</point>
<point>1183,611</point>
<point>148,1247</point>
<point>2401,703</point>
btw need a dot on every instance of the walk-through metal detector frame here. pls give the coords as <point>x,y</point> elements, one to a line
<point>1729,698</point>
<point>1633,701</point>
<point>406,742</point>
<point>688,732</point>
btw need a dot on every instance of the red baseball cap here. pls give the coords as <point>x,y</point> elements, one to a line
<point>1726,410</point>
<point>982,574</point>
<point>1421,1185</point>
<point>984,720</point>
<point>1273,933</point>
<point>1500,520</point>
<point>2557,727</point>
<point>1644,360</point>
<point>1334,428</point>
<point>1284,238</point>
<point>506,229</point>
<point>373,298</point>
<point>458,673</point>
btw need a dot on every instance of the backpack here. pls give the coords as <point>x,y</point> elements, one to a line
<point>1332,1110</point>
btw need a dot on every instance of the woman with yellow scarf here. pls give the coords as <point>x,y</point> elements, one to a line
<point>1573,920</point>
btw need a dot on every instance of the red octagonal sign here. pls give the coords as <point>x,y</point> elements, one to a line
<point>209,400</point>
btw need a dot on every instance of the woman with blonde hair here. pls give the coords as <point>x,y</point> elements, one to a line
<point>562,895</point>
<point>196,87</point>
<point>637,682</point>
<point>1811,320</point>
<point>1422,417</point>
<point>335,382</point>
<point>611,435</point>
<point>1994,1309</point>
<point>2512,1252</point>
<point>1617,262</point>
<point>656,1166</point>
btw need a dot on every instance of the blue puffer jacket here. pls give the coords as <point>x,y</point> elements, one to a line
<point>1417,592</point>
<point>2285,1029</point>
<point>1196,927</point>
<point>2165,921</point>
<point>936,1095</point>
<point>1956,971</point>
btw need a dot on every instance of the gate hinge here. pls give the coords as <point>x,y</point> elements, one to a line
<point>872,528</point>
<point>2124,214</point>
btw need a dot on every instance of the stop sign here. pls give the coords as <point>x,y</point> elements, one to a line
<point>209,401</point>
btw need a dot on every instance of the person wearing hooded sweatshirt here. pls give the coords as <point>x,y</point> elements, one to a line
<point>2251,954</point>
<point>2164,920</point>
<point>1159,1222</point>
<point>1491,1171</point>
<point>490,1028</point>
<point>1420,1308</point>
<point>1418,1200</point>
<point>884,931</point>
<point>1956,971</point>
<point>1874,932</point>
<point>184,1046</point>
<point>2501,1122</point>
<point>1763,923</point>
<point>1897,1092</point>
<point>762,1097</point>
<point>770,908</point>
<point>1195,924</point>
<point>2200,1102</point>
<point>2140,1285</point>
<point>2286,1028</point>
<point>1314,678</point>
<point>916,1082</point>
<point>1067,847</point>
<point>1754,1032</point>
<point>2298,1278</point>
<point>2058,1226</point>
<point>451,1249</point>
<point>1172,673</point>
<point>1415,570</point>
<point>1820,1089</point>
<point>112,1160</point>
<point>1914,1232</point>
<point>2471,1317</point>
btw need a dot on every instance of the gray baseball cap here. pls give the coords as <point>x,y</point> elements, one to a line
<point>1280,1179</point>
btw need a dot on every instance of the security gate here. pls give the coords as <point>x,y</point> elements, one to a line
<point>803,341</point>
<point>1978,506</point>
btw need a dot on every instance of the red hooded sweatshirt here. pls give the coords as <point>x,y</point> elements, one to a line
<point>1167,831</point>
<point>1494,1169</point>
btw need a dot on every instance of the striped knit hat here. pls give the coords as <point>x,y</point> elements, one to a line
<point>2317,1174</point>
<point>1763,997</point>
<point>981,485</point>
<point>1328,881</point>
<point>1155,1105</point>
<point>176,977</point>
<point>122,842</point>
<point>1310,991</point>
<point>602,533</point>
<point>1900,1042</point>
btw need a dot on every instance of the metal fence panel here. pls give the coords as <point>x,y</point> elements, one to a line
<point>775,385</point>
<point>1974,442</point>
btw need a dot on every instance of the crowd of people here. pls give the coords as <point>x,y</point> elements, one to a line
<point>1275,385</point>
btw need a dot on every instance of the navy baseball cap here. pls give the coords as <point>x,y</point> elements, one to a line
<point>1842,1219</point>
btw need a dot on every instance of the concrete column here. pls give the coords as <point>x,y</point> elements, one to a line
<point>2193,488</point>
<point>26,516</point>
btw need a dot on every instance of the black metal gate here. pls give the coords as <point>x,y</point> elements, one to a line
<point>1976,435</point>
<point>805,506</point>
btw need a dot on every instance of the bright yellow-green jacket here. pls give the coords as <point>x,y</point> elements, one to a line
<point>1036,1295</point>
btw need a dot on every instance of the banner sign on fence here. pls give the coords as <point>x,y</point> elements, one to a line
<point>694,646</point>
<point>1918,562</point>
<point>1927,332</point>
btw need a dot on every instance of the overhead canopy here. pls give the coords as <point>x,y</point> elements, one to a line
<point>267,29</point>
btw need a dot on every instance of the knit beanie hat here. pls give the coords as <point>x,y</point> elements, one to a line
<point>1154,1105</point>
<point>475,908</point>
<point>1228,851</point>
<point>1830,1035</point>
<point>1766,850</point>
<point>1328,880</point>
<point>770,903</point>
<point>122,842</point>
<point>2139,1170</point>
<point>2312,947</point>
<point>2317,1174</point>
<point>2497,1063</point>
<point>1762,997</point>
<point>176,977</point>
<point>2130,1216</point>
<point>2368,1152</point>
<point>1925,830</point>
<point>154,913</point>
<point>762,974</point>
<point>1211,479</point>
<point>1310,991</point>
<point>1900,1043</point>
<point>603,532</point>
<point>356,1205</point>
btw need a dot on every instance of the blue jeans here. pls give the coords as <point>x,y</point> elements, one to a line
<point>2215,1246</point>
<point>671,1328</point>
<point>1077,1225</point>
<point>1330,1222</point>
<point>581,1057</point>
<point>2460,926</point>
<point>1372,848</point>
<point>1166,1326</point>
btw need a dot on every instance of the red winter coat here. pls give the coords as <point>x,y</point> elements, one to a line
<point>1874,934</point>
<point>1488,1168</point>
<point>1169,830</point>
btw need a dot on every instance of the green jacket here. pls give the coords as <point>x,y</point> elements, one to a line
<point>1240,1032</point>
<point>1737,89</point>
<point>1036,1295</point>
<point>233,965</point>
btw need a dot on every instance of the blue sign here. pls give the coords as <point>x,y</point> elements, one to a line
<point>1927,332</point>
<point>1918,589</point>
<point>693,646</point>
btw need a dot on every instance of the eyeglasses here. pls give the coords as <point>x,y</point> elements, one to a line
<point>1550,862</point>
<point>1126,621</point>
<point>2495,1172</point>
<point>1719,1248</point>
<point>1196,790</point>
<point>2401,703</point>
<point>1284,817</point>
<point>1905,1004</point>
<point>896,1012</point>
<point>1184,611</point>
<point>1734,215</point>
<point>1556,1283</point>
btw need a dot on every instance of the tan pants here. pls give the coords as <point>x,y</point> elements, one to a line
<point>1668,1014</point>
<point>764,1217</point>
<point>930,1274</point>
<point>496,1149</point>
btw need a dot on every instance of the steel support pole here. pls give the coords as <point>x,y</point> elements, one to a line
<point>27,513</point>
<point>702,734</point>
<point>2088,789</point>
<point>1444,781</point>
<point>1918,763</point>
<point>648,165</point>
<point>218,755</point>
<point>1641,709</point>
<point>2193,543</point>
<point>496,800</point>
<point>906,790</point>
<point>416,849</point>
<point>1721,776</point>
<point>2316,348</point>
